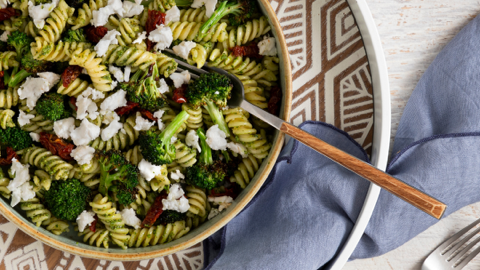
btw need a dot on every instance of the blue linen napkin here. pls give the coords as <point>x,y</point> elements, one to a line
<point>308,205</point>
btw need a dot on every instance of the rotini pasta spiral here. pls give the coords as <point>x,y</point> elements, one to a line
<point>198,55</point>
<point>6,118</point>
<point>189,30</point>
<point>102,81</point>
<point>143,201</point>
<point>42,179</point>
<point>245,33</point>
<point>22,6</point>
<point>59,52</point>
<point>4,181</point>
<point>129,28</point>
<point>7,60</point>
<point>120,140</point>
<point>8,98</point>
<point>193,15</point>
<point>55,225</point>
<point>31,29</point>
<point>13,24</point>
<point>195,120</point>
<point>98,238</point>
<point>85,13</point>
<point>35,210</point>
<point>185,156</point>
<point>166,65</point>
<point>37,124</point>
<point>197,200</point>
<point>246,134</point>
<point>45,160</point>
<point>128,56</point>
<point>74,89</point>
<point>55,23</point>
<point>158,234</point>
<point>134,155</point>
<point>246,170</point>
<point>90,180</point>
<point>113,221</point>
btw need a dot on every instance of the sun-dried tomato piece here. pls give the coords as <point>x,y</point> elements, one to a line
<point>127,108</point>
<point>94,34</point>
<point>250,50</point>
<point>154,212</point>
<point>93,225</point>
<point>274,101</point>
<point>70,74</point>
<point>73,101</point>
<point>10,155</point>
<point>2,84</point>
<point>56,145</point>
<point>147,114</point>
<point>231,192</point>
<point>7,13</point>
<point>150,45</point>
<point>179,94</point>
<point>154,18</point>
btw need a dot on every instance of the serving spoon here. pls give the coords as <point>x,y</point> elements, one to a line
<point>400,189</point>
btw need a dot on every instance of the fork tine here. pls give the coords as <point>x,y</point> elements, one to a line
<point>468,258</point>
<point>461,243</point>
<point>456,236</point>
<point>466,249</point>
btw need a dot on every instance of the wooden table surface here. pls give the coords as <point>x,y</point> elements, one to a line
<point>413,32</point>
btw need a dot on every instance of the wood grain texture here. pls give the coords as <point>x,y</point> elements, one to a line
<point>406,192</point>
<point>413,32</point>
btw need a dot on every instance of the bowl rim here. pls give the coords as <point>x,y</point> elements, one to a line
<point>135,256</point>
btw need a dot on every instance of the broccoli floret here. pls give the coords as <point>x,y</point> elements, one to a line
<point>157,148</point>
<point>31,65</point>
<point>16,138</point>
<point>142,89</point>
<point>240,12</point>
<point>75,36</point>
<point>206,173</point>
<point>51,106</point>
<point>169,216</point>
<point>124,196</point>
<point>211,90</point>
<point>67,199</point>
<point>116,174</point>
<point>21,42</point>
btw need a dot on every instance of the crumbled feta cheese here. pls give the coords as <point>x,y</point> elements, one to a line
<point>21,174</point>
<point>32,89</point>
<point>192,140</point>
<point>213,213</point>
<point>83,154</point>
<point>4,3</point>
<point>92,92</point>
<point>130,218</point>
<point>50,77</point>
<point>22,193</point>
<point>267,47</point>
<point>172,15</point>
<point>63,128</point>
<point>163,36</point>
<point>126,74</point>
<point>175,200</point>
<point>177,175</point>
<point>173,139</point>
<point>100,17</point>
<point>117,72</point>
<point>111,130</point>
<point>86,106</point>
<point>35,136</point>
<point>163,87</point>
<point>110,38</point>
<point>113,85</point>
<point>131,9</point>
<point>216,138</point>
<point>85,219</point>
<point>148,170</point>
<point>180,78</point>
<point>158,114</point>
<point>110,117</point>
<point>238,148</point>
<point>142,123</point>
<point>24,118</point>
<point>140,38</point>
<point>4,36</point>
<point>183,49</point>
<point>222,201</point>
<point>116,6</point>
<point>85,133</point>
<point>114,101</point>
<point>209,6</point>
<point>40,12</point>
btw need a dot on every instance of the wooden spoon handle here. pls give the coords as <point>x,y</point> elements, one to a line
<point>406,192</point>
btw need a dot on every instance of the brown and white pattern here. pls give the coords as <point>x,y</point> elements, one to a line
<point>331,83</point>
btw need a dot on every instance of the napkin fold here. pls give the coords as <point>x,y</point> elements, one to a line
<point>304,212</point>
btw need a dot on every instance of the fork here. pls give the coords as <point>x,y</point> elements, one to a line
<point>441,259</point>
<point>404,191</point>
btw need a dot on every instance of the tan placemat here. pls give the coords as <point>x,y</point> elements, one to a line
<point>331,83</point>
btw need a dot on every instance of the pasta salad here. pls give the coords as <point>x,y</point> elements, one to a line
<point>100,133</point>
